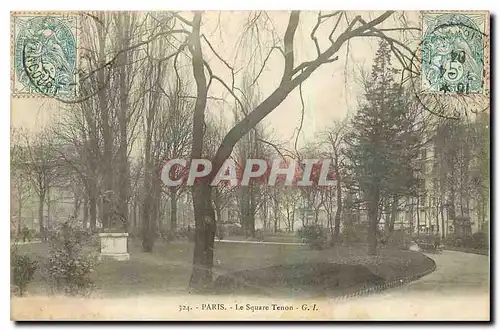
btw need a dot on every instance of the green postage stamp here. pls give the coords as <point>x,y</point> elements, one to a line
<point>44,54</point>
<point>454,52</point>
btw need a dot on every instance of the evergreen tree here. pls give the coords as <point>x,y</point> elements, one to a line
<point>385,141</point>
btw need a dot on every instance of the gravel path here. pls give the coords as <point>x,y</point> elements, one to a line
<point>457,290</point>
<point>455,271</point>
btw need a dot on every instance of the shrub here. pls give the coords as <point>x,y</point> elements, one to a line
<point>399,239</point>
<point>25,234</point>
<point>354,233</point>
<point>22,269</point>
<point>478,240</point>
<point>170,236</point>
<point>189,233</point>
<point>313,235</point>
<point>453,241</point>
<point>233,229</point>
<point>70,267</point>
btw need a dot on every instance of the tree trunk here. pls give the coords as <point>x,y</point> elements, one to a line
<point>76,207</point>
<point>93,212</point>
<point>147,224</point>
<point>107,137</point>
<point>204,216</point>
<point>338,212</point>
<point>157,210</point>
<point>443,229</point>
<point>173,210</point>
<point>373,221</point>
<point>418,215</point>
<point>134,211</point>
<point>288,224</point>
<point>276,215</point>
<point>251,213</point>
<point>394,212</point>
<point>86,211</point>
<point>124,178</point>
<point>19,215</point>
<point>265,220</point>
<point>203,211</point>
<point>218,211</point>
<point>246,211</point>
<point>41,201</point>
<point>243,204</point>
<point>330,224</point>
<point>48,209</point>
<point>437,203</point>
<point>147,203</point>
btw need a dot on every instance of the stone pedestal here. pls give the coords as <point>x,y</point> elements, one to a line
<point>114,246</point>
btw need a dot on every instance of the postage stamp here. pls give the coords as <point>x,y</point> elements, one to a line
<point>453,52</point>
<point>44,55</point>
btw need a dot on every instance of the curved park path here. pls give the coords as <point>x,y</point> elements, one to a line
<point>455,271</point>
<point>457,290</point>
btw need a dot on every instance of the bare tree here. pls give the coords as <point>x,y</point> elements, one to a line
<point>20,188</point>
<point>333,138</point>
<point>293,75</point>
<point>290,201</point>
<point>174,136</point>
<point>40,164</point>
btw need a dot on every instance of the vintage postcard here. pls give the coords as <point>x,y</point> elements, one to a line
<point>250,165</point>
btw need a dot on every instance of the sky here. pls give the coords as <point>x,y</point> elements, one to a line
<point>330,94</point>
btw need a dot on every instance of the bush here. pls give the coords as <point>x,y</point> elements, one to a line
<point>25,234</point>
<point>399,239</point>
<point>233,229</point>
<point>453,241</point>
<point>22,269</point>
<point>70,267</point>
<point>314,235</point>
<point>478,240</point>
<point>170,236</point>
<point>354,234</point>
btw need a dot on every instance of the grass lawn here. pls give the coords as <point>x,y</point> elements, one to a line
<point>168,268</point>
<point>281,238</point>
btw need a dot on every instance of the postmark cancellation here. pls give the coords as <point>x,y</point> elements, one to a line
<point>454,52</point>
<point>44,54</point>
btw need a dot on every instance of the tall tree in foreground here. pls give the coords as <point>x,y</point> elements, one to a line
<point>293,75</point>
<point>384,141</point>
